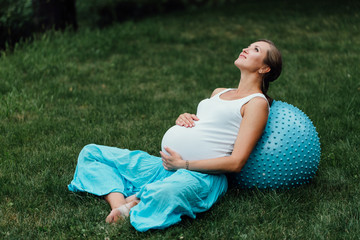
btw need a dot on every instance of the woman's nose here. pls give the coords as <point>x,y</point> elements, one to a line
<point>245,50</point>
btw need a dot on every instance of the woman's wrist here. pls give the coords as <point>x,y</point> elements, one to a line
<point>187,164</point>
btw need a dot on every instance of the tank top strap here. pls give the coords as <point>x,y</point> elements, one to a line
<point>223,91</point>
<point>248,98</point>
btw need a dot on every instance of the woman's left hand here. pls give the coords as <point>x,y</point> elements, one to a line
<point>173,161</point>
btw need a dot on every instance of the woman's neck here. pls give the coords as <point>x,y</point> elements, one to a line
<point>249,83</point>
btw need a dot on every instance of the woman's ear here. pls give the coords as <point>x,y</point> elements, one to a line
<point>264,69</point>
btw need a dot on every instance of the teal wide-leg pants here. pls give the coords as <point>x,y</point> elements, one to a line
<point>164,195</point>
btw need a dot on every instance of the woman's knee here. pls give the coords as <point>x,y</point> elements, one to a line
<point>88,151</point>
<point>89,148</point>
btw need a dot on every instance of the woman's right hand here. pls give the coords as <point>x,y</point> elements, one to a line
<point>186,120</point>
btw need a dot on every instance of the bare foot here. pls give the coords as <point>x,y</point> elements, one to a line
<point>115,215</point>
<point>121,212</point>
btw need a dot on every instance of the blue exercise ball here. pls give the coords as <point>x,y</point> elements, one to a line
<point>287,155</point>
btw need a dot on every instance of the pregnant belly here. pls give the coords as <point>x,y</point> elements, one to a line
<point>191,143</point>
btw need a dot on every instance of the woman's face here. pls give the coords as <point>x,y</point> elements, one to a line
<point>252,57</point>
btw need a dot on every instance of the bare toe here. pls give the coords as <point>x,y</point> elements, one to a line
<point>116,215</point>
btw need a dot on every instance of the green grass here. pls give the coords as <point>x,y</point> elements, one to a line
<point>125,85</point>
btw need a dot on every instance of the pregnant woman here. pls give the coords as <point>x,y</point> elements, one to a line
<point>189,177</point>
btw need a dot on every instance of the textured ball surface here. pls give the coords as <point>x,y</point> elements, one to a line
<point>287,155</point>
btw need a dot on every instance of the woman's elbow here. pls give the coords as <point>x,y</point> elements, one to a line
<point>238,164</point>
<point>237,169</point>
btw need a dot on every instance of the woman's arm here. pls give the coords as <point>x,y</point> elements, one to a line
<point>251,128</point>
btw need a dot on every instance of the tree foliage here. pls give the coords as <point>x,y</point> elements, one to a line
<point>19,19</point>
<point>15,21</point>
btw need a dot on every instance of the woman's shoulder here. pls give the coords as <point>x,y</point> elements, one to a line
<point>257,104</point>
<point>217,90</point>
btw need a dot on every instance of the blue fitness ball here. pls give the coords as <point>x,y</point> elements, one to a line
<point>287,155</point>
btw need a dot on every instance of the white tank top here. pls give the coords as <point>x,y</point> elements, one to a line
<point>214,134</point>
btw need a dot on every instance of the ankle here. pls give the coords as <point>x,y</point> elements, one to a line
<point>131,198</point>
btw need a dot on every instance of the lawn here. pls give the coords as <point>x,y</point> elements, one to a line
<point>125,85</point>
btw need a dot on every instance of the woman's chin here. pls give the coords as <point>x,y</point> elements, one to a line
<point>237,63</point>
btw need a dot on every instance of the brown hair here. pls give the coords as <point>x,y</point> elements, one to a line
<point>274,61</point>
